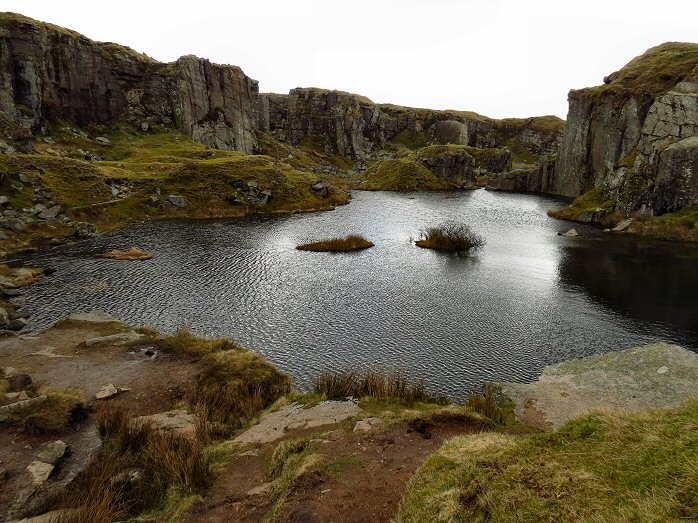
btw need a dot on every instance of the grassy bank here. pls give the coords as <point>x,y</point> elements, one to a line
<point>602,467</point>
<point>142,176</point>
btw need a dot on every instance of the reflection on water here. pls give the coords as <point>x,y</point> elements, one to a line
<point>529,298</point>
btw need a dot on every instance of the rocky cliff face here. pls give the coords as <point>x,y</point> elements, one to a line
<point>51,73</point>
<point>353,126</point>
<point>636,136</point>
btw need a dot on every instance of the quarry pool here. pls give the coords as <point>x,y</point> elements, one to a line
<point>527,299</point>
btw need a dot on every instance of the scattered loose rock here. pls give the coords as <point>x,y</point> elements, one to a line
<point>177,201</point>
<point>52,453</point>
<point>623,225</point>
<point>39,472</point>
<point>114,339</point>
<point>174,420</point>
<point>366,424</point>
<point>106,392</point>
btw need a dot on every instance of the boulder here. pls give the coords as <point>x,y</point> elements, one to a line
<point>572,233</point>
<point>106,392</point>
<point>103,140</point>
<point>366,424</point>
<point>4,200</point>
<point>53,452</point>
<point>39,472</point>
<point>177,201</point>
<point>179,421</point>
<point>623,225</point>
<point>85,230</point>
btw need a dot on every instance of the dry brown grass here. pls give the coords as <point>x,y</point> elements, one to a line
<point>379,384</point>
<point>352,242</point>
<point>132,254</point>
<point>490,403</point>
<point>450,237</point>
<point>135,469</point>
<point>52,415</point>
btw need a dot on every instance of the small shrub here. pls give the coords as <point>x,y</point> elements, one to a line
<point>450,237</point>
<point>379,384</point>
<point>350,243</point>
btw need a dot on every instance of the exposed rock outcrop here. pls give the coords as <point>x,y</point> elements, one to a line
<point>352,125</point>
<point>51,73</point>
<point>635,136</point>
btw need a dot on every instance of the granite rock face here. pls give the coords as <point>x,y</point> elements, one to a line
<point>453,165</point>
<point>353,126</point>
<point>51,73</point>
<point>636,140</point>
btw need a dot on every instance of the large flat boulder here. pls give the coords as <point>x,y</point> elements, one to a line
<point>653,376</point>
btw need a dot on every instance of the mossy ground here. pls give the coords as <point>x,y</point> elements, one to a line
<point>213,182</point>
<point>401,174</point>
<point>590,201</point>
<point>676,226</point>
<point>654,72</point>
<point>601,467</point>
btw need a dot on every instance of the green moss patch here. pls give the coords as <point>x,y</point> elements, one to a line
<point>590,201</point>
<point>401,174</point>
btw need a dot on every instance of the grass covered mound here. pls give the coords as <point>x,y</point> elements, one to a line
<point>450,237</point>
<point>353,242</point>
<point>589,202</point>
<point>601,467</point>
<point>401,174</point>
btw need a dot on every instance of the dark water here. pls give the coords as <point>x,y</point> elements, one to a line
<point>528,299</point>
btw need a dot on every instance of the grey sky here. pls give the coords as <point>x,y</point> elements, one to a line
<point>499,57</point>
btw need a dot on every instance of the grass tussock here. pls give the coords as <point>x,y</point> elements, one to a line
<point>379,384</point>
<point>601,467</point>
<point>450,237</point>
<point>352,242</point>
<point>137,468</point>
<point>52,412</point>
<point>490,403</point>
<point>132,254</point>
<point>234,386</point>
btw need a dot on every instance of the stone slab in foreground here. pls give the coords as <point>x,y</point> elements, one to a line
<point>654,376</point>
<point>274,426</point>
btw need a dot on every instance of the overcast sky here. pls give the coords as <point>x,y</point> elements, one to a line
<point>497,57</point>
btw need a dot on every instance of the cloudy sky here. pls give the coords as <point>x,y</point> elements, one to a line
<point>497,57</point>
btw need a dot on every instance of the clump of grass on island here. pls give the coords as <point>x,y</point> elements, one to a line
<point>379,384</point>
<point>601,467</point>
<point>450,237</point>
<point>132,254</point>
<point>352,242</point>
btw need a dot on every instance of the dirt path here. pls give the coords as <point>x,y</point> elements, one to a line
<point>59,358</point>
<point>354,477</point>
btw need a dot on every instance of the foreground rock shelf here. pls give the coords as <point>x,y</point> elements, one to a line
<point>654,376</point>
